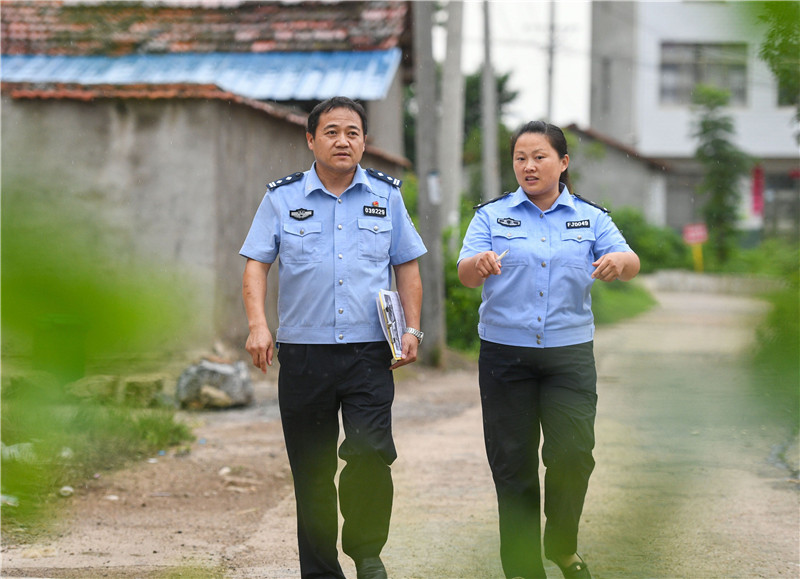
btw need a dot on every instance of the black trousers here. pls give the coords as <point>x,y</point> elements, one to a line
<point>525,391</point>
<point>314,383</point>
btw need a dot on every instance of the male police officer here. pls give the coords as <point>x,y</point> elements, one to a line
<point>337,229</point>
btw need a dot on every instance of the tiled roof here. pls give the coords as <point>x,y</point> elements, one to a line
<point>81,92</point>
<point>278,76</point>
<point>115,28</point>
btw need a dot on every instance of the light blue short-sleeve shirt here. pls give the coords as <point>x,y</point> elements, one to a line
<point>335,253</point>
<point>542,297</point>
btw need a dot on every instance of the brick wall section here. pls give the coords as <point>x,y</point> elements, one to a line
<point>116,28</point>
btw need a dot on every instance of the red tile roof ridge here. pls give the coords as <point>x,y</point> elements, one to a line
<point>88,93</point>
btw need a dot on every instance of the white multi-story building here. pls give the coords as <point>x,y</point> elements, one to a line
<point>647,57</point>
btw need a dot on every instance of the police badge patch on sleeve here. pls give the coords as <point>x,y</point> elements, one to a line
<point>301,214</point>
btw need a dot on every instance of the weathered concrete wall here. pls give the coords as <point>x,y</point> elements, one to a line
<point>141,168</point>
<point>253,149</point>
<point>614,179</point>
<point>385,120</point>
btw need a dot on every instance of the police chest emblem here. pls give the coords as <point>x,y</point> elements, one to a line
<point>508,222</point>
<point>374,211</point>
<point>578,224</point>
<point>301,214</point>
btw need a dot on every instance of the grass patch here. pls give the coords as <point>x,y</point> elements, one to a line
<point>617,301</point>
<point>50,443</point>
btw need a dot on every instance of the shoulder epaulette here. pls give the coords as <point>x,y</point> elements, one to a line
<point>384,177</point>
<point>592,203</point>
<point>479,205</point>
<point>288,179</point>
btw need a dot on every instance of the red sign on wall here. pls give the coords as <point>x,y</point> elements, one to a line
<point>694,233</point>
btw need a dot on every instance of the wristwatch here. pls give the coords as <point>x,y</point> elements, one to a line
<point>416,333</point>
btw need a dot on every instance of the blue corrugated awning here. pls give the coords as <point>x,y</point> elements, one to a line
<point>278,76</point>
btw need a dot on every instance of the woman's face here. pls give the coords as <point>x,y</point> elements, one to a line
<point>537,167</point>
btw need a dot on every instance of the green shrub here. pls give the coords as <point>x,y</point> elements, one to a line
<point>776,359</point>
<point>657,247</point>
<point>772,257</point>
<point>461,311</point>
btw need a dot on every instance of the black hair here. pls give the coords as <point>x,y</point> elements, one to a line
<point>338,102</point>
<point>554,135</point>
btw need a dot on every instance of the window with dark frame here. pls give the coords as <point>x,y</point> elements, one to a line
<point>685,65</point>
<point>787,96</point>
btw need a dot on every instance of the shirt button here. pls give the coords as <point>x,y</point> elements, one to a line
<point>375,228</point>
<point>341,256</point>
<point>544,264</point>
<point>341,336</point>
<point>341,281</point>
<point>541,294</point>
<point>341,310</point>
<point>538,342</point>
<point>539,336</point>
<point>302,231</point>
<point>508,235</point>
<point>580,237</point>
<point>541,215</point>
<point>544,239</point>
<point>539,318</point>
<point>339,226</point>
<point>339,200</point>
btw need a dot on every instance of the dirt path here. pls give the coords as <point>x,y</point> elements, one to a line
<point>684,485</point>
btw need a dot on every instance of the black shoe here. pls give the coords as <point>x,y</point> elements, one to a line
<point>578,570</point>
<point>371,568</point>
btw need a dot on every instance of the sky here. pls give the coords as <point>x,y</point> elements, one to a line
<point>520,36</point>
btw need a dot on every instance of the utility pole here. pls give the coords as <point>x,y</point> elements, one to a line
<point>551,48</point>
<point>491,171</point>
<point>452,123</point>
<point>430,196</point>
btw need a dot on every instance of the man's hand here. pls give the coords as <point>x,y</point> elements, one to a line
<point>254,293</point>
<point>260,346</point>
<point>409,354</point>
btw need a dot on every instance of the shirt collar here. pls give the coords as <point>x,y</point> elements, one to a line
<point>313,182</point>
<point>564,198</point>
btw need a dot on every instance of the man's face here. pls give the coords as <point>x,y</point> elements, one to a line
<point>339,142</point>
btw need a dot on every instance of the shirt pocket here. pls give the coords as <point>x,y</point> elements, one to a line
<point>302,242</point>
<point>577,247</point>
<point>374,239</point>
<point>513,239</point>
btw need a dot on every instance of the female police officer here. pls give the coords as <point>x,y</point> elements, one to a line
<point>536,366</point>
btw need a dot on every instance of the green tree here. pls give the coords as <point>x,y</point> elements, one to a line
<point>724,164</point>
<point>780,48</point>
<point>472,99</point>
<point>472,113</point>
